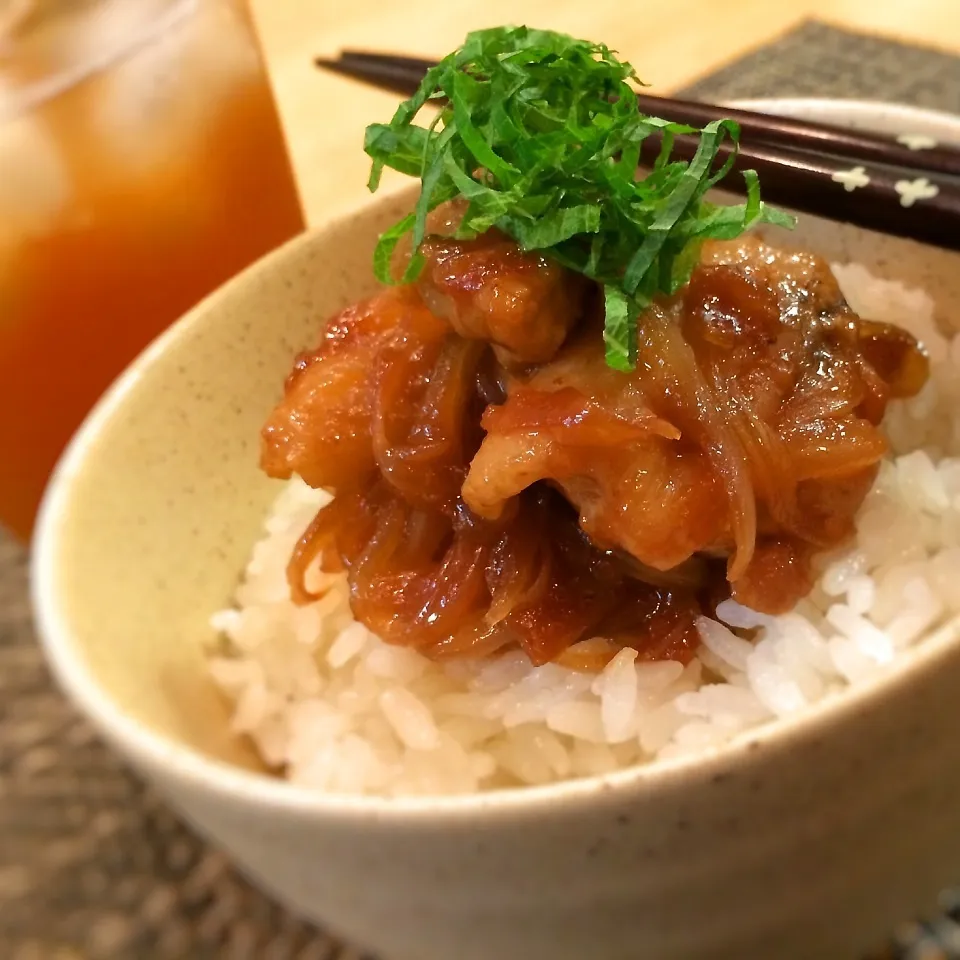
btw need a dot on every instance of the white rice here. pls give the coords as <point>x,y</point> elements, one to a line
<point>332,707</point>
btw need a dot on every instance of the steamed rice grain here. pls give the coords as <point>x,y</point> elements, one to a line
<point>331,707</point>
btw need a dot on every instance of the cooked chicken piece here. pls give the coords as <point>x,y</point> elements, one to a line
<point>323,427</point>
<point>488,289</point>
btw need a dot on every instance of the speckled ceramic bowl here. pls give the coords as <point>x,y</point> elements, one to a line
<point>806,841</point>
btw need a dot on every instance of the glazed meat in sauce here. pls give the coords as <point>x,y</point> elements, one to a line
<point>748,429</point>
<point>498,485</point>
<point>488,289</point>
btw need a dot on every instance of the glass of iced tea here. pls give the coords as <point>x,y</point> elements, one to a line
<point>141,165</point>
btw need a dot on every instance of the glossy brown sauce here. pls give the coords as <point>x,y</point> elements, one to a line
<point>498,485</point>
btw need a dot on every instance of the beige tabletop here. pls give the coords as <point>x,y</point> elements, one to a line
<point>670,43</point>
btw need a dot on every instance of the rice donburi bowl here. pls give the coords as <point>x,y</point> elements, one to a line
<point>801,838</point>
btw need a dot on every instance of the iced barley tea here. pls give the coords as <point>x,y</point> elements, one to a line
<point>141,165</point>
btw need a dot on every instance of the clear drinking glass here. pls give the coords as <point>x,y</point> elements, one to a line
<point>141,164</point>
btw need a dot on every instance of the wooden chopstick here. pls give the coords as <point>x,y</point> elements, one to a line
<point>884,200</point>
<point>795,134</point>
<point>863,179</point>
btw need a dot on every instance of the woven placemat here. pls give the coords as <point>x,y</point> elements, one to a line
<point>93,866</point>
<point>817,60</point>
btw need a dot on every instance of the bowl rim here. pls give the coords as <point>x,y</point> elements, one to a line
<point>169,758</point>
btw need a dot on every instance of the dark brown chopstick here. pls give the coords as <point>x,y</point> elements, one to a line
<point>863,179</point>
<point>878,198</point>
<point>405,73</point>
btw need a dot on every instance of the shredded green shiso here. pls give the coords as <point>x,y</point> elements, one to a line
<point>541,134</point>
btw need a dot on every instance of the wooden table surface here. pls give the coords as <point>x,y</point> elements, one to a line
<point>670,43</point>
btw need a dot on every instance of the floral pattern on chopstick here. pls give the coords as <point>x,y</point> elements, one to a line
<point>912,190</point>
<point>851,179</point>
<point>917,141</point>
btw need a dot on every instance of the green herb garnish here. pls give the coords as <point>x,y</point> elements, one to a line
<point>541,134</point>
